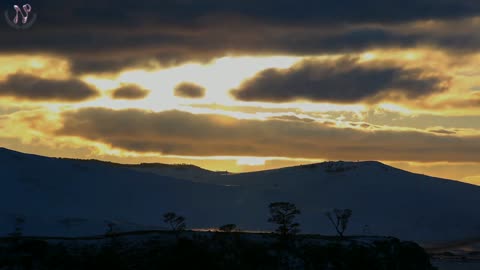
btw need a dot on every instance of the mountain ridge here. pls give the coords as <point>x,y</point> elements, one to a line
<point>156,165</point>
<point>385,200</point>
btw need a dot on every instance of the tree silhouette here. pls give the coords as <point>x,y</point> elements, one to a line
<point>227,228</point>
<point>111,225</point>
<point>283,214</point>
<point>339,219</point>
<point>176,223</point>
<point>18,227</point>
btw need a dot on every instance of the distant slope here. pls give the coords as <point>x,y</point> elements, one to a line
<point>384,200</point>
<point>49,190</point>
<point>180,171</point>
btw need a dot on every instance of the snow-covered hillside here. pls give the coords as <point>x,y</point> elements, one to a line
<point>74,197</point>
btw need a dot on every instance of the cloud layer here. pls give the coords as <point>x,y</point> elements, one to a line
<point>130,91</point>
<point>111,36</point>
<point>215,135</point>
<point>27,87</point>
<point>340,81</point>
<point>189,90</point>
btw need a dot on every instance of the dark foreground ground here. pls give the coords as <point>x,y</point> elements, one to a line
<point>210,250</point>
<point>449,265</point>
<point>461,255</point>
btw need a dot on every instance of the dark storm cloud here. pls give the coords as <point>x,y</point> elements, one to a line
<point>187,12</point>
<point>111,35</point>
<point>342,81</point>
<point>189,90</point>
<point>27,87</point>
<point>181,133</point>
<point>130,91</point>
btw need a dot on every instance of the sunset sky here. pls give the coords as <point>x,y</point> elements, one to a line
<point>245,85</point>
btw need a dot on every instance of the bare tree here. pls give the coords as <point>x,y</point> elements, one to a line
<point>283,214</point>
<point>339,219</point>
<point>176,223</point>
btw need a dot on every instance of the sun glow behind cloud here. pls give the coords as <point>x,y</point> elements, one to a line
<point>45,66</point>
<point>219,77</point>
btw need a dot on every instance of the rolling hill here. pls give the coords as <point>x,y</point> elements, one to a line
<point>58,197</point>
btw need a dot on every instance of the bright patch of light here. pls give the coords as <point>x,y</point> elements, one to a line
<point>250,161</point>
<point>472,180</point>
<point>411,56</point>
<point>101,83</point>
<point>43,66</point>
<point>395,108</point>
<point>218,77</point>
<point>368,56</point>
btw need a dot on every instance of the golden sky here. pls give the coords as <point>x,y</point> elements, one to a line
<point>294,92</point>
